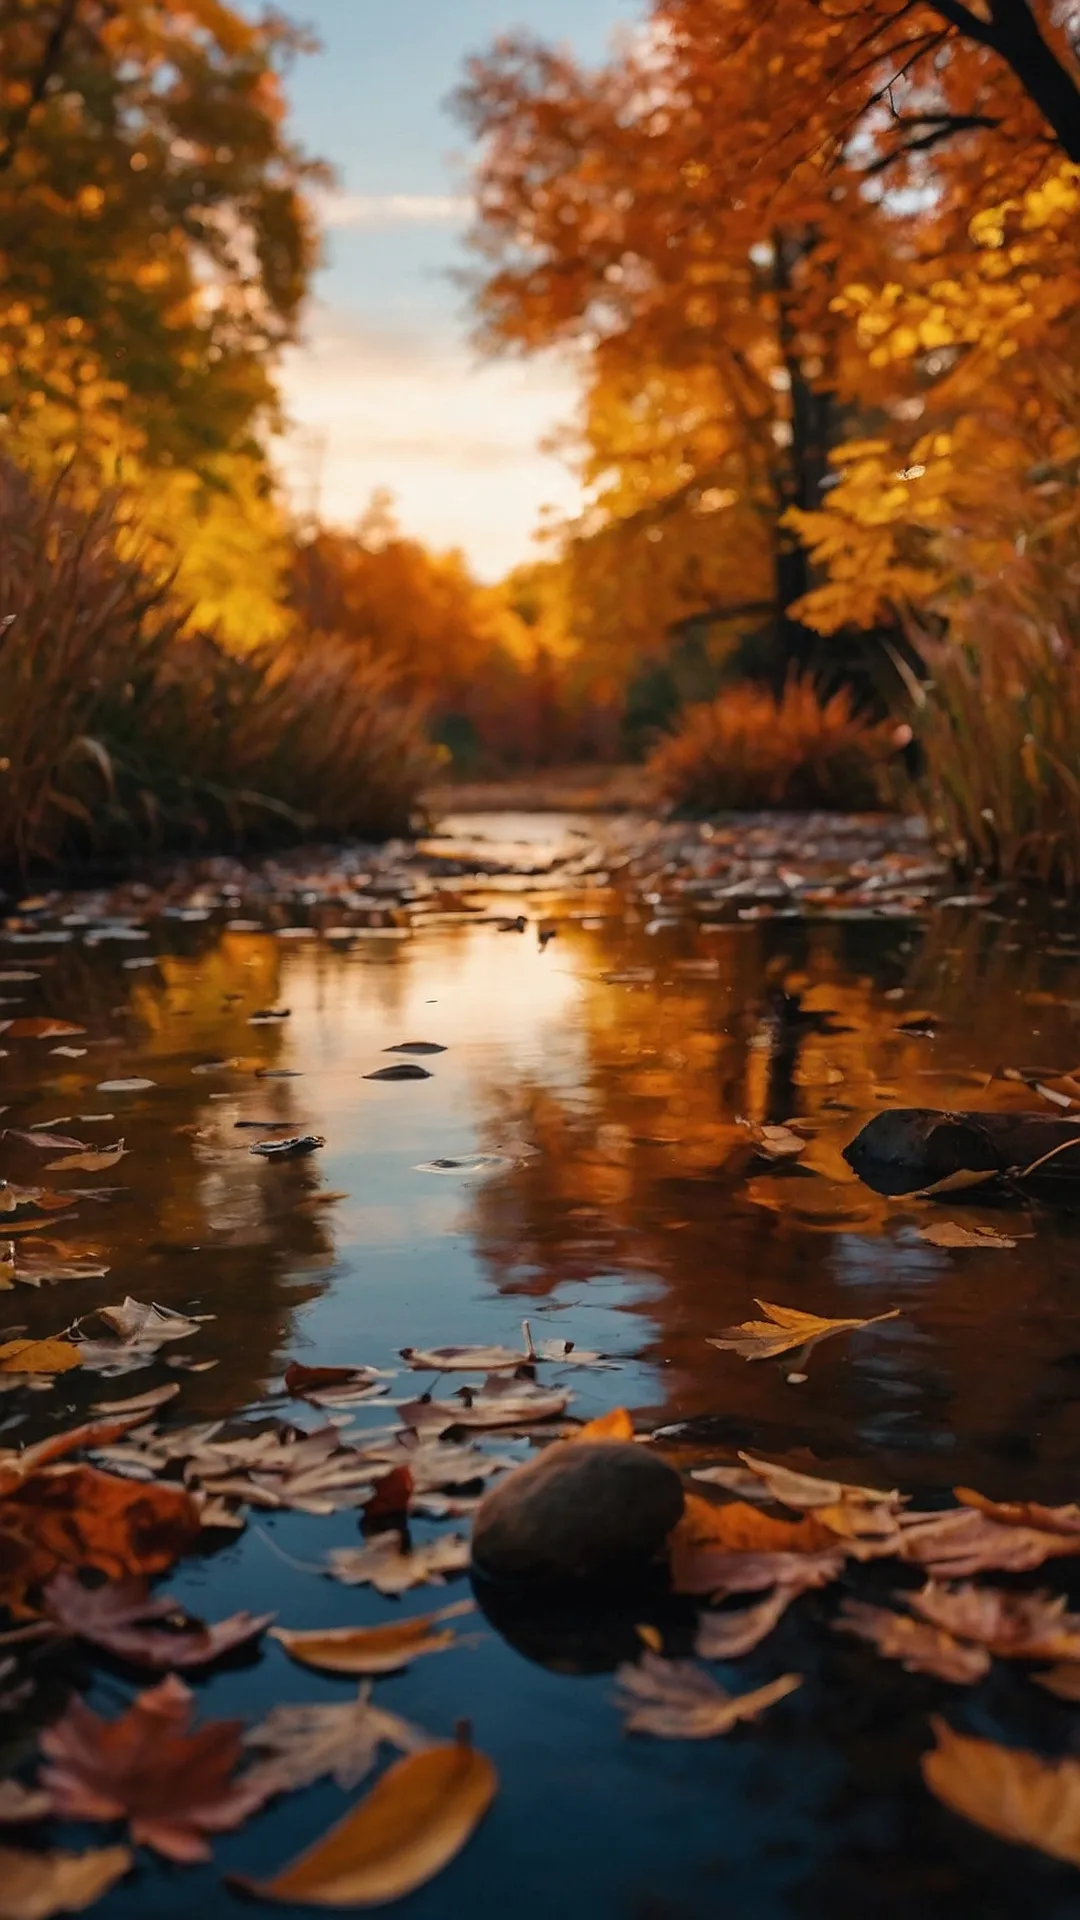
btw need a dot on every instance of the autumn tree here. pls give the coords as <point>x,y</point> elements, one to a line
<point>154,241</point>
<point>699,206</point>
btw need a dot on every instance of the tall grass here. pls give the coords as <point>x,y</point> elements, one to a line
<point>749,748</point>
<point>999,716</point>
<point>120,730</point>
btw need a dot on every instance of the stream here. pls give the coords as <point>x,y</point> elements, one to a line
<point>574,1159</point>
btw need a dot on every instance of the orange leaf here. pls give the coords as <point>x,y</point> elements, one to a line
<point>80,1517</point>
<point>616,1425</point>
<point>738,1527</point>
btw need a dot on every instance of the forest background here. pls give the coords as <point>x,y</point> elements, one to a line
<point>815,265</point>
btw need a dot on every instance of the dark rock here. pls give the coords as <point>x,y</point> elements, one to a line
<point>581,1512</point>
<point>911,1147</point>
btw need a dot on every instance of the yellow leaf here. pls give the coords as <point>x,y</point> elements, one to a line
<point>787,1327</point>
<point>38,1356</point>
<point>372,1649</point>
<point>1012,1793</point>
<point>616,1425</point>
<point>411,1825</point>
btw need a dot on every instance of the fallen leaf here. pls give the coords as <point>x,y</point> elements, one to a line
<point>919,1645</point>
<point>139,1402</point>
<point>173,1786</point>
<point>38,1028</point>
<point>616,1425</point>
<point>718,1573</point>
<point>294,1148</point>
<point>961,1541</point>
<point>1022,1513</point>
<point>778,1143</point>
<point>391,1497</point>
<point>675,1700</point>
<point>50,1261</point>
<point>38,1356</point>
<point>803,1491</point>
<point>959,1181</point>
<point>1012,1793</point>
<point>48,1141</point>
<point>88,1162</point>
<point>949,1233</point>
<point>303,1381</point>
<point>500,1402</point>
<point>1064,1681</point>
<point>20,1805</point>
<point>35,1886</point>
<point>406,1070</point>
<point>149,1630</point>
<point>416,1046</point>
<point>77,1516</point>
<point>44,1199</point>
<point>785,1328</point>
<point>738,1528</point>
<point>728,1635</point>
<point>308,1743</point>
<point>310,1472</point>
<point>437,1464</point>
<point>411,1825</point>
<point>387,1566</point>
<point>1015,1626</point>
<point>134,1085</point>
<point>472,1163</point>
<point>370,1650</point>
<point>462,1359</point>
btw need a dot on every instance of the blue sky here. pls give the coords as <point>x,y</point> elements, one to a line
<point>386,389</point>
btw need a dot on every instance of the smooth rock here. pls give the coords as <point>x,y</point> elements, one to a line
<point>581,1512</point>
<point>909,1147</point>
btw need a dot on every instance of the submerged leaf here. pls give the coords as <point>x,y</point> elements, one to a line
<point>787,1327</point>
<point>368,1650</point>
<point>949,1233</point>
<point>728,1635</point>
<point>148,1629</point>
<point>411,1825</point>
<point>1012,1793</point>
<point>676,1700</point>
<point>308,1743</point>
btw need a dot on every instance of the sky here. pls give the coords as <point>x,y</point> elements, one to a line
<point>386,389</point>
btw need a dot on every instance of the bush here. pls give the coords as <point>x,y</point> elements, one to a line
<point>751,749</point>
<point>120,730</point>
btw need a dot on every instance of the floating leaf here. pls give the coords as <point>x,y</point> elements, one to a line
<point>294,1148</point>
<point>38,1356</point>
<point>949,1233</point>
<point>675,1700</point>
<point>961,1541</point>
<point>416,1046</point>
<point>36,1886</point>
<point>172,1785</point>
<point>369,1650</point>
<point>50,1261</point>
<point>94,1162</point>
<point>308,1743</point>
<point>919,1645</point>
<point>787,1327</point>
<point>405,1070</point>
<point>1015,1626</point>
<point>35,1028</point>
<point>81,1517</point>
<point>959,1181</point>
<point>462,1359</point>
<point>1064,1681</point>
<point>147,1629</point>
<point>302,1382</point>
<point>728,1635</point>
<point>778,1143</point>
<point>1022,1513</point>
<point>139,1402</point>
<point>386,1565</point>
<point>738,1528</point>
<point>616,1425</point>
<point>48,1141</point>
<point>20,1805</point>
<point>1012,1793</point>
<point>411,1825</point>
<point>134,1085</point>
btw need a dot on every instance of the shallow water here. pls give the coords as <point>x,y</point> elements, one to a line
<point>605,1073</point>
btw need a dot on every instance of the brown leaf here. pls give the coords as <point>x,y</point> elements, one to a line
<point>94,1162</point>
<point>43,1198</point>
<point>778,1143</point>
<point>391,1496</point>
<point>949,1233</point>
<point>955,1544</point>
<point>1012,1793</point>
<point>787,1327</point>
<point>48,1141</point>
<point>959,1181</point>
<point>616,1425</point>
<point>1016,1626</point>
<point>295,1148</point>
<point>149,1630</point>
<point>728,1635</point>
<point>300,1380</point>
<point>307,1743</point>
<point>386,1565</point>
<point>802,1491</point>
<point>368,1650</point>
<point>738,1528</point>
<point>50,1261</point>
<point>38,1356</point>
<point>407,1070</point>
<point>462,1359</point>
<point>1022,1513</point>
<point>35,1886</point>
<point>20,1805</point>
<point>411,1825</point>
<point>173,1786</point>
<point>39,1028</point>
<point>139,1402</point>
<point>500,1402</point>
<point>676,1700</point>
<point>77,1516</point>
<point>920,1646</point>
<point>1064,1681</point>
<point>437,1464</point>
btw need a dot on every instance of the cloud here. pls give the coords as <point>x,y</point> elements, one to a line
<point>357,210</point>
<point>455,440</point>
